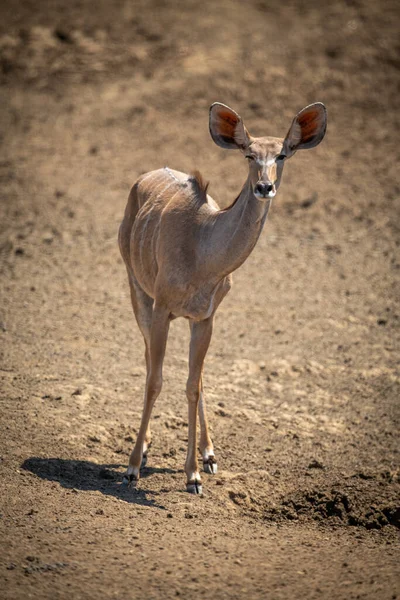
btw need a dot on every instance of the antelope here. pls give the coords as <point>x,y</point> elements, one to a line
<point>180,250</point>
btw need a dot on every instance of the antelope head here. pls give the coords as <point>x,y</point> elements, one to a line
<point>267,155</point>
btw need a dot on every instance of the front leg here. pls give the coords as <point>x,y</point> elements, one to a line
<point>200,340</point>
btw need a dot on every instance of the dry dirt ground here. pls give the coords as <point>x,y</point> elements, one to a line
<point>301,379</point>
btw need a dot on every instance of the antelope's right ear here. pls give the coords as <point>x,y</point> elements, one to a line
<point>227,128</point>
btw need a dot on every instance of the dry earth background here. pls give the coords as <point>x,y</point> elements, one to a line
<point>301,377</point>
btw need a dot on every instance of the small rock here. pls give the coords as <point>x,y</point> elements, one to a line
<point>333,248</point>
<point>307,202</point>
<point>334,52</point>
<point>365,475</point>
<point>316,464</point>
<point>48,238</point>
<point>63,36</point>
<point>31,558</point>
<point>238,498</point>
<point>221,413</point>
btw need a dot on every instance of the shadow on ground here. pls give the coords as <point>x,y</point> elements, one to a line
<point>88,476</point>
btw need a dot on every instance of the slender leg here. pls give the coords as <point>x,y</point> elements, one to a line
<point>158,342</point>
<point>147,437</point>
<point>142,306</point>
<point>200,339</point>
<point>206,445</point>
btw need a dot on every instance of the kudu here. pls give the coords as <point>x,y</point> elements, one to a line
<point>180,250</point>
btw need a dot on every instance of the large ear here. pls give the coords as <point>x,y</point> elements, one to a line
<point>227,128</point>
<point>307,129</point>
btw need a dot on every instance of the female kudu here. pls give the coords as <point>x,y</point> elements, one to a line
<point>180,250</point>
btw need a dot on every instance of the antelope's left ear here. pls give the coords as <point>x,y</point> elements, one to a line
<point>307,129</point>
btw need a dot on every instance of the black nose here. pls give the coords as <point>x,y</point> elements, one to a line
<point>263,188</point>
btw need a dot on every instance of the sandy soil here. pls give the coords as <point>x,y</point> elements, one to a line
<point>302,377</point>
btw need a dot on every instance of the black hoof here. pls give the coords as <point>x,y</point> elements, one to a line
<point>129,480</point>
<point>194,487</point>
<point>210,465</point>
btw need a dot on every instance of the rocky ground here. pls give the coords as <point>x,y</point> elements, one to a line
<point>301,379</point>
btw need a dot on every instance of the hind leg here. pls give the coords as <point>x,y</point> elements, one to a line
<point>142,306</point>
<point>158,341</point>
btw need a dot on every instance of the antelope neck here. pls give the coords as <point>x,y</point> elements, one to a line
<point>235,230</point>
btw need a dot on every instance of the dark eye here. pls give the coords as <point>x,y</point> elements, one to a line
<point>281,157</point>
<point>250,157</point>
